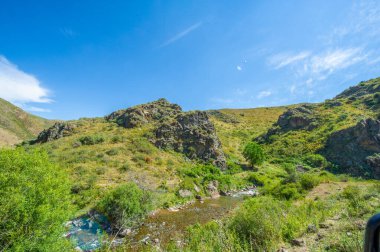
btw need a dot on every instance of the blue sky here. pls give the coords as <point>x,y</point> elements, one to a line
<point>72,59</point>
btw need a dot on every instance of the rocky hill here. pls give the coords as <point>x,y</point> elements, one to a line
<point>344,130</point>
<point>17,125</point>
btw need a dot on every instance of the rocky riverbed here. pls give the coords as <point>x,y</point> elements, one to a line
<point>162,226</point>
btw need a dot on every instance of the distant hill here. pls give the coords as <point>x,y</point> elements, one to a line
<point>17,125</point>
<point>345,130</point>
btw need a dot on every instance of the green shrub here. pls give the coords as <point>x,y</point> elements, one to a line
<point>315,160</point>
<point>258,221</point>
<point>125,167</point>
<point>34,202</point>
<point>126,205</point>
<point>112,152</point>
<point>309,181</point>
<point>91,140</point>
<point>254,153</point>
<point>257,179</point>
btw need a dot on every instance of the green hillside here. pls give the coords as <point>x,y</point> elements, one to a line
<point>317,162</point>
<point>16,125</point>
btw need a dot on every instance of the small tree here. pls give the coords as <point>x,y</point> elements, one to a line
<point>254,153</point>
<point>34,202</point>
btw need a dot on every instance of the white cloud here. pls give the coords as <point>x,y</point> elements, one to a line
<point>293,89</point>
<point>36,109</point>
<point>285,59</point>
<point>239,68</point>
<point>335,60</point>
<point>19,87</point>
<point>263,94</point>
<point>181,34</point>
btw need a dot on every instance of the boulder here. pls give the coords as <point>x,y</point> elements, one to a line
<point>297,118</point>
<point>144,113</point>
<point>193,134</point>
<point>58,130</point>
<point>354,149</point>
<point>212,189</point>
<point>185,193</point>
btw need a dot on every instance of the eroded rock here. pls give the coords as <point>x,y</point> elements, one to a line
<point>58,130</point>
<point>193,134</point>
<point>144,113</point>
<point>354,149</point>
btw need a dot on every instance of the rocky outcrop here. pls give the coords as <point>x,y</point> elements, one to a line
<point>193,134</point>
<point>297,118</point>
<point>354,149</point>
<point>144,113</point>
<point>363,89</point>
<point>58,130</point>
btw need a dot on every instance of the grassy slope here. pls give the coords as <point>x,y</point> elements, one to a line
<point>250,124</point>
<point>125,155</point>
<point>16,125</point>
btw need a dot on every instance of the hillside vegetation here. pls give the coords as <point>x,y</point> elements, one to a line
<point>16,125</point>
<point>312,164</point>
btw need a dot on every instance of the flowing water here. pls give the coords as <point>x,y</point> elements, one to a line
<point>159,228</point>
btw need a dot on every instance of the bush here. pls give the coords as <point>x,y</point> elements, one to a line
<point>112,152</point>
<point>309,181</point>
<point>253,153</point>
<point>125,167</point>
<point>126,205</point>
<point>91,140</point>
<point>34,202</point>
<point>315,160</point>
<point>258,222</point>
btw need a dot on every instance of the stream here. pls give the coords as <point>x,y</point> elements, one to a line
<point>161,227</point>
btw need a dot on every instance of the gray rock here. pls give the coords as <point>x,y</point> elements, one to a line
<point>298,242</point>
<point>355,149</point>
<point>212,189</point>
<point>312,228</point>
<point>185,193</point>
<point>144,113</point>
<point>58,130</point>
<point>193,134</point>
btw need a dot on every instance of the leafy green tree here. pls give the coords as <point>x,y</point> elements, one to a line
<point>126,204</point>
<point>34,202</point>
<point>254,153</point>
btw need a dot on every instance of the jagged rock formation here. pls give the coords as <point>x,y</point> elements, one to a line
<point>298,118</point>
<point>363,89</point>
<point>58,130</point>
<point>144,113</point>
<point>354,149</point>
<point>194,135</point>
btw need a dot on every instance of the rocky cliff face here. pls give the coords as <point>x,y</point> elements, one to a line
<point>298,118</point>
<point>194,135</point>
<point>354,149</point>
<point>144,113</point>
<point>58,130</point>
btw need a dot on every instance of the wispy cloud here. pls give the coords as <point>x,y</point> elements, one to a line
<point>68,32</point>
<point>36,109</point>
<point>181,34</point>
<point>284,59</point>
<point>263,94</point>
<point>335,60</point>
<point>19,87</point>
